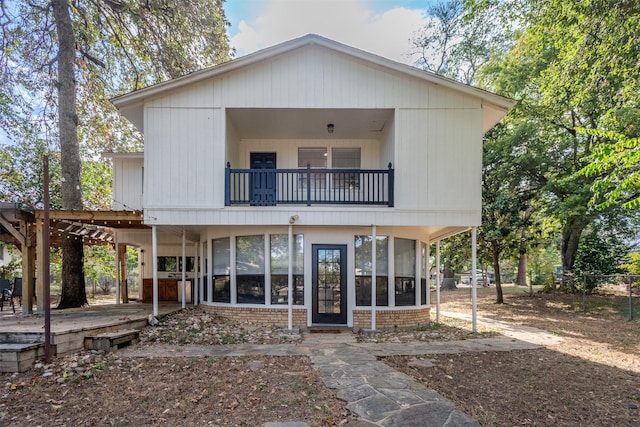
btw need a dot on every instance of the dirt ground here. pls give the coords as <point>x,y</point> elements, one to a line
<point>591,379</point>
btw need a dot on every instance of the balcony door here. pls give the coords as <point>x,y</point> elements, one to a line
<point>329,280</point>
<point>262,179</point>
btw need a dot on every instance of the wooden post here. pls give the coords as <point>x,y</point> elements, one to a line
<point>40,259</point>
<point>124,289</point>
<point>28,269</point>
<point>116,248</point>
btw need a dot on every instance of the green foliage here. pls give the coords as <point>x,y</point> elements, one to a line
<point>604,247</point>
<point>99,264</point>
<point>632,266</point>
<point>573,67</point>
<point>615,165</point>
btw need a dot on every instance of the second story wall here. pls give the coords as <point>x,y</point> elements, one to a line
<point>438,159</point>
<point>128,182</point>
<point>184,157</point>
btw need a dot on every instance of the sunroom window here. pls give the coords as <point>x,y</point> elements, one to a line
<point>250,269</point>
<point>221,270</point>
<point>280,269</point>
<point>405,271</point>
<point>364,268</point>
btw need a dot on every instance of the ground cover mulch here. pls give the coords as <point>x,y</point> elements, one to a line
<point>591,378</point>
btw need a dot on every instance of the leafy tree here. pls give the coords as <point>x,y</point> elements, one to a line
<point>574,66</point>
<point>506,198</point>
<point>632,266</point>
<point>615,165</point>
<point>61,60</point>
<point>456,43</point>
<point>604,248</point>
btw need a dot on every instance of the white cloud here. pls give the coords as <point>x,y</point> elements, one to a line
<point>354,23</point>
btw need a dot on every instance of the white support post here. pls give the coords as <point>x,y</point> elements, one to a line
<point>154,266</point>
<point>374,273</point>
<point>184,268</point>
<point>290,280</point>
<point>438,281</point>
<point>210,274</point>
<point>116,246</point>
<point>474,279</point>
<point>196,267</point>
<point>427,271</point>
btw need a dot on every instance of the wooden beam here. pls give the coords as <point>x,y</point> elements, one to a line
<point>95,216</point>
<point>11,229</point>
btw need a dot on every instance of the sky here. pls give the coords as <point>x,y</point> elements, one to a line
<point>383,27</point>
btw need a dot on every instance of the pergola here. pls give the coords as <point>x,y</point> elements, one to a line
<point>24,227</point>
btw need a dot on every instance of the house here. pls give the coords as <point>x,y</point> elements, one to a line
<point>275,177</point>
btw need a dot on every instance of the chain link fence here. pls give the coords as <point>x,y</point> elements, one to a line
<point>620,291</point>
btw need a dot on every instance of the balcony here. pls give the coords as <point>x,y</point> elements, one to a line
<point>272,187</point>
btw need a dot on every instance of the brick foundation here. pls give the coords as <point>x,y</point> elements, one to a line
<point>385,318</point>
<point>392,318</point>
<point>269,316</point>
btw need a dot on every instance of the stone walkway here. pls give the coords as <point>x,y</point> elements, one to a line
<point>375,392</point>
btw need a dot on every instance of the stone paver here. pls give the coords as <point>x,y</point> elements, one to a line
<point>375,392</point>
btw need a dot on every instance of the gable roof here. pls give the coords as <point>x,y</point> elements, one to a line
<point>494,106</point>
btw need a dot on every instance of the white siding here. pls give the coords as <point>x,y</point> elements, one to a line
<point>184,156</point>
<point>127,183</point>
<point>314,78</point>
<point>438,160</point>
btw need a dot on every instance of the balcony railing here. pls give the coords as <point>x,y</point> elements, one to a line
<point>310,186</point>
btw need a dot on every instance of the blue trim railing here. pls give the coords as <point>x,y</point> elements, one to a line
<point>310,186</point>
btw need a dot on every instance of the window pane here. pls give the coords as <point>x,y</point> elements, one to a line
<point>363,255</point>
<point>221,289</point>
<point>280,289</point>
<point>191,262</point>
<point>405,257</point>
<point>250,255</point>
<point>315,157</point>
<point>168,264</point>
<point>405,291</point>
<point>345,158</point>
<point>280,257</point>
<point>363,291</point>
<point>250,289</point>
<point>221,257</point>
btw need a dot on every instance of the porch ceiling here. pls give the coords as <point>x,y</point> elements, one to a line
<point>289,123</point>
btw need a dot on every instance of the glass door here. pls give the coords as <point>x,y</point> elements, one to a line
<point>329,279</point>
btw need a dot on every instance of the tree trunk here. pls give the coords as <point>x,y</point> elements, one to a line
<point>568,251</point>
<point>496,270</point>
<point>448,280</point>
<point>73,291</point>
<point>521,278</point>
